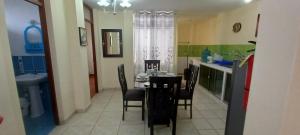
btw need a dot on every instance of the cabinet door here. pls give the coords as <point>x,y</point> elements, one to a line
<point>218,83</point>
<point>211,80</point>
<point>228,89</point>
<point>184,32</point>
<point>204,76</point>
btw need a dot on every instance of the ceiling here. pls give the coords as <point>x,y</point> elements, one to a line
<point>184,7</point>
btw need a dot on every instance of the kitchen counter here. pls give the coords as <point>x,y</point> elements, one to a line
<point>214,66</point>
<point>205,75</point>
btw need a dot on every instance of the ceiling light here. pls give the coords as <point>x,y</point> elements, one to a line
<point>103,3</point>
<point>125,4</point>
<point>248,1</point>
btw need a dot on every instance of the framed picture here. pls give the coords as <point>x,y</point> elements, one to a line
<point>83,36</point>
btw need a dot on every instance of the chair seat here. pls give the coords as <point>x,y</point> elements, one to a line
<point>136,94</point>
<point>184,94</point>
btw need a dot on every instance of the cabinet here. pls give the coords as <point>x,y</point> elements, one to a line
<point>212,80</point>
<point>184,32</point>
<point>196,32</point>
<point>228,89</point>
<point>218,83</point>
<point>204,76</point>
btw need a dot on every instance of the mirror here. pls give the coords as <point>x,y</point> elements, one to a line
<point>112,43</point>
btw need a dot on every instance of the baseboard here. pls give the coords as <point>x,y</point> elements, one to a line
<point>75,112</point>
<point>83,110</point>
<point>62,122</point>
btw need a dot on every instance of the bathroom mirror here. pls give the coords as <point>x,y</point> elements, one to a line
<point>112,43</point>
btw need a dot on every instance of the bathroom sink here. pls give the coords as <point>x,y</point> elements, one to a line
<point>31,79</point>
<point>31,83</point>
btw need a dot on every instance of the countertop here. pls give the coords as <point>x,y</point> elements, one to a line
<point>214,66</point>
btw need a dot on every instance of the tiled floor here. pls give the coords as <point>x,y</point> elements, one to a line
<point>104,118</point>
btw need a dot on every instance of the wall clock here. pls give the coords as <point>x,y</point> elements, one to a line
<point>237,27</point>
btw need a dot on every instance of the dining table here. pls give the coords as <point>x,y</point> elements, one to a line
<point>142,80</point>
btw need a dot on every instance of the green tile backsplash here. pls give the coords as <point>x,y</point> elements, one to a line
<point>229,52</point>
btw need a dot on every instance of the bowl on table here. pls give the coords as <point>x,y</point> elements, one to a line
<point>163,72</point>
<point>142,77</point>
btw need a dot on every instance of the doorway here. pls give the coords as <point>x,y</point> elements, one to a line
<point>28,38</point>
<point>91,51</point>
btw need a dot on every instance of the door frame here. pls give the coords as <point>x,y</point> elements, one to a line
<point>43,19</point>
<point>91,21</point>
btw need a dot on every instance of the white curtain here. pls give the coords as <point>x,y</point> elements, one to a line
<point>154,34</point>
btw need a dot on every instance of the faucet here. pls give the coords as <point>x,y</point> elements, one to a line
<point>35,70</point>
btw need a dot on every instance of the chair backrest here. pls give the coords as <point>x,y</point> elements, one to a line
<point>122,79</point>
<point>151,64</point>
<point>163,99</point>
<point>191,82</point>
<point>187,72</point>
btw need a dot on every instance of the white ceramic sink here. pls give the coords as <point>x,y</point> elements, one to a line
<point>31,79</point>
<point>31,82</point>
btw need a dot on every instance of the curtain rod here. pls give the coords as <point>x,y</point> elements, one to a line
<point>159,11</point>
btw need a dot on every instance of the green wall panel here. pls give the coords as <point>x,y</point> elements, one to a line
<point>229,52</point>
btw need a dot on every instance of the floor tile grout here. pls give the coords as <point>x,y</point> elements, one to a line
<point>201,99</point>
<point>98,118</point>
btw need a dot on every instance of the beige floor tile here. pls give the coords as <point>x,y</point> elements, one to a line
<point>104,117</point>
<point>208,132</point>
<point>84,119</point>
<point>133,118</point>
<point>183,114</point>
<point>201,124</point>
<point>95,108</point>
<point>221,113</point>
<point>162,130</point>
<point>208,114</point>
<point>216,123</point>
<point>105,130</point>
<point>221,132</point>
<point>201,107</point>
<point>109,121</point>
<point>214,106</point>
<point>132,129</point>
<point>78,130</point>
<point>159,130</point>
<point>186,127</point>
<point>58,130</point>
<point>112,118</point>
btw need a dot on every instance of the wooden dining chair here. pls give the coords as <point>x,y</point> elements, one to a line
<point>188,92</point>
<point>151,64</point>
<point>136,94</point>
<point>162,101</point>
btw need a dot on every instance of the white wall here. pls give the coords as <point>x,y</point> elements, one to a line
<point>108,66</point>
<point>247,16</point>
<point>290,125</point>
<point>60,55</point>
<point>79,58</point>
<point>217,29</point>
<point>274,97</point>
<point>68,57</point>
<point>9,101</point>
